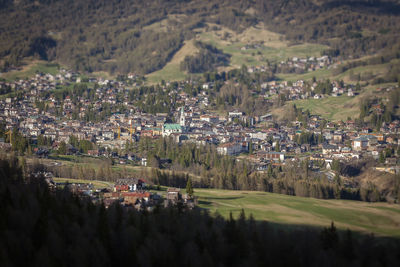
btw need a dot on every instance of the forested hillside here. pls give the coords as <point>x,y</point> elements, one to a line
<point>142,36</point>
<point>39,227</point>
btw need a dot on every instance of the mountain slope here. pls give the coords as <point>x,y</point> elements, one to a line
<point>143,36</point>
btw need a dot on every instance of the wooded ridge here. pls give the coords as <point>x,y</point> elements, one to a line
<point>142,36</point>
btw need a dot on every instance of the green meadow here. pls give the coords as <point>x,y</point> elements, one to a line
<point>96,184</point>
<point>382,219</point>
<point>31,69</point>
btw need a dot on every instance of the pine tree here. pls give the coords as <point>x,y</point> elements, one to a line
<point>189,188</point>
<point>381,157</point>
<point>62,149</point>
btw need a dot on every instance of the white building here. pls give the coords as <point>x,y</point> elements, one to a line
<point>230,149</point>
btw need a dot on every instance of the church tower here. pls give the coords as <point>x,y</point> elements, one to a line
<point>182,118</point>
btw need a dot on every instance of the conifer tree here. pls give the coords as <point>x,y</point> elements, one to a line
<point>189,188</point>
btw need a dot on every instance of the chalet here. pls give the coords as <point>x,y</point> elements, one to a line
<point>173,196</point>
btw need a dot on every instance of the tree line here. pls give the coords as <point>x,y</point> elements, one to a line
<point>65,230</point>
<point>174,162</point>
<point>207,59</point>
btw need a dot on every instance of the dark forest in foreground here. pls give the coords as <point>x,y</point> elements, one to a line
<point>43,228</point>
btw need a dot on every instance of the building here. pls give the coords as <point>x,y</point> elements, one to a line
<point>173,196</point>
<point>171,128</point>
<point>128,184</point>
<point>229,149</point>
<point>275,156</point>
<point>328,148</point>
<point>363,142</point>
<point>182,120</point>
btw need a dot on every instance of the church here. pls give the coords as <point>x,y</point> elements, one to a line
<point>172,128</point>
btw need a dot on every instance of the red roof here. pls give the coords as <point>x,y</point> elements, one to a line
<point>136,194</point>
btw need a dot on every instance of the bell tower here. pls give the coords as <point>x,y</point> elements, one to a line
<point>182,118</point>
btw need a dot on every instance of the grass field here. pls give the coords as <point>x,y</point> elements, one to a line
<point>378,218</point>
<point>31,69</point>
<point>172,71</point>
<point>332,108</point>
<point>374,71</point>
<point>96,184</point>
<point>320,74</point>
<point>382,219</point>
<point>274,49</point>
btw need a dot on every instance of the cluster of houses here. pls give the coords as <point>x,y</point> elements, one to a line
<point>130,193</point>
<point>295,64</point>
<point>194,123</point>
<point>301,90</point>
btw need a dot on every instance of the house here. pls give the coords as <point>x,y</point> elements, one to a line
<point>275,156</point>
<point>337,137</point>
<point>93,153</point>
<point>328,148</point>
<point>173,196</point>
<point>128,184</point>
<point>363,142</point>
<point>229,149</point>
<point>317,96</point>
<point>234,114</point>
<point>207,86</point>
<point>134,198</point>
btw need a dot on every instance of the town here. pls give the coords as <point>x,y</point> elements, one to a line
<point>199,133</point>
<point>101,118</point>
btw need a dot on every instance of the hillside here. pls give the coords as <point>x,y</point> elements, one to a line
<point>143,37</point>
<point>379,218</point>
<point>64,229</point>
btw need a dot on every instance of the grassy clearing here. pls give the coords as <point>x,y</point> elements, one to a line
<point>378,218</point>
<point>373,71</point>
<point>320,74</point>
<point>102,74</point>
<point>332,108</point>
<point>274,49</point>
<point>172,71</point>
<point>31,69</point>
<point>96,184</point>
